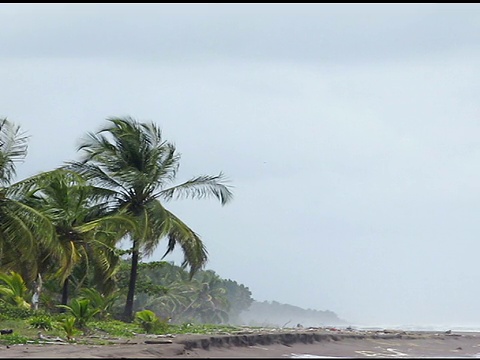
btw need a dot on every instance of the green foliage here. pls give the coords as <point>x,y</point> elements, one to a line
<point>68,324</point>
<point>102,303</point>
<point>23,230</point>
<point>86,232</point>
<point>13,339</point>
<point>44,321</point>
<point>82,312</point>
<point>191,328</point>
<point>9,311</point>
<point>116,328</point>
<point>80,210</point>
<point>102,330</point>
<point>65,224</point>
<point>14,290</point>
<point>150,322</point>
<point>239,297</point>
<point>133,160</point>
<point>205,298</point>
<point>146,319</point>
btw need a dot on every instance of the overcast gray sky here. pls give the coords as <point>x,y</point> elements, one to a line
<point>351,135</point>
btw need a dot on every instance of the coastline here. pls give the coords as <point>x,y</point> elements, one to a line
<point>282,343</point>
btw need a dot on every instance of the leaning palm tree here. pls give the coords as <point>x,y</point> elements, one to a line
<point>24,230</point>
<point>133,159</point>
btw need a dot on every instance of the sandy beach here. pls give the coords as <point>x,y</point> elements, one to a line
<point>283,344</point>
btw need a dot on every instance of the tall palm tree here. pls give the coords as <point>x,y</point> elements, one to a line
<point>22,228</point>
<point>86,229</point>
<point>133,159</point>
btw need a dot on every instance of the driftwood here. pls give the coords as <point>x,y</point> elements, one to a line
<point>158,341</point>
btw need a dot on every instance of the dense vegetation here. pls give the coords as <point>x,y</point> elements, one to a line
<point>61,266</point>
<point>168,291</point>
<point>60,229</point>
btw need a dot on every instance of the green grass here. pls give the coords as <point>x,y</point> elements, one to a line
<point>189,328</point>
<point>99,332</point>
<point>115,328</point>
<point>13,339</point>
<point>23,331</point>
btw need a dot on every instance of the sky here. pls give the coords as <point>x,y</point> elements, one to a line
<point>349,132</point>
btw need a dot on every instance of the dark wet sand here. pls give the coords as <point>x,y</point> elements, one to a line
<point>353,348</point>
<point>268,345</point>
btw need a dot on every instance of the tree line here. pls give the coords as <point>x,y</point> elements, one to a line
<point>60,229</point>
<point>170,292</point>
<point>273,313</point>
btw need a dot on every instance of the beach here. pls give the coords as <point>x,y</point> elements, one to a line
<point>304,343</point>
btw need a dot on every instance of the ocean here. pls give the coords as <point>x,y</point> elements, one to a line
<point>409,327</point>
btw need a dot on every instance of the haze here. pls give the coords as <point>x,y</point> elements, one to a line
<point>349,132</point>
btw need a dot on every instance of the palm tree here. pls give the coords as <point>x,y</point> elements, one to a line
<point>86,229</point>
<point>208,300</point>
<point>165,288</point>
<point>133,159</point>
<point>24,231</point>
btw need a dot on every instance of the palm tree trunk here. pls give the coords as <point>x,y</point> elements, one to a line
<point>128,313</point>
<point>64,294</point>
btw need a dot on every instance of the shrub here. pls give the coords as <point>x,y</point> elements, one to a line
<point>68,325</point>
<point>81,311</point>
<point>44,322</point>
<point>12,339</point>
<point>150,322</point>
<point>9,311</point>
<point>99,301</point>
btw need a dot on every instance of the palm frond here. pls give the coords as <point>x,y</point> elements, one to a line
<point>93,173</point>
<point>13,149</point>
<point>195,254</point>
<point>200,187</point>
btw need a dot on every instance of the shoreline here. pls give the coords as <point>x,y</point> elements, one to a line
<point>283,343</point>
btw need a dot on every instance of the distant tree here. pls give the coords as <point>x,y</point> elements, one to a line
<point>169,291</point>
<point>273,313</point>
<point>208,302</point>
<point>239,297</point>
